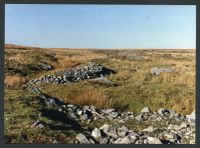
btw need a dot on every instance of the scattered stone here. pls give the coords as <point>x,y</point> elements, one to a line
<point>157,71</point>
<point>191,117</point>
<point>82,139</point>
<point>145,110</point>
<point>122,131</point>
<point>153,140</point>
<point>96,133</point>
<point>103,141</point>
<point>148,129</point>
<point>124,140</point>
<point>107,111</point>
<point>109,130</point>
<point>140,118</point>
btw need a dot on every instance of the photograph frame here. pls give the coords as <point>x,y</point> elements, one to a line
<point>116,2</point>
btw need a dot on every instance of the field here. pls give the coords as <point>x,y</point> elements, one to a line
<point>133,86</point>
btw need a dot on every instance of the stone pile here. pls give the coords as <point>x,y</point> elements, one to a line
<point>165,126</point>
<point>45,66</point>
<point>109,134</point>
<point>92,70</point>
<point>183,133</point>
<point>171,127</point>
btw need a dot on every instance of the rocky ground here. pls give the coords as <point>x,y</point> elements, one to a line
<point>164,126</point>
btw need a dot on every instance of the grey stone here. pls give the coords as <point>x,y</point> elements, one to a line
<point>153,140</point>
<point>84,117</point>
<point>60,109</point>
<point>109,130</point>
<point>107,111</point>
<point>157,71</point>
<point>96,133</point>
<point>103,141</point>
<point>149,129</point>
<point>124,140</point>
<point>161,111</point>
<point>72,115</point>
<point>122,131</point>
<point>114,114</point>
<point>191,118</point>
<point>140,118</point>
<point>145,110</point>
<point>82,139</point>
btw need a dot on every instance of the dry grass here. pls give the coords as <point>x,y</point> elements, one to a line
<point>135,88</point>
<point>14,81</point>
<point>90,96</point>
<point>68,62</point>
<point>80,94</point>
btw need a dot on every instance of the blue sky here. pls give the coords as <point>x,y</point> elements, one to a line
<point>101,26</point>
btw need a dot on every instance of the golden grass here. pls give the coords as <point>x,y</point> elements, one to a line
<point>14,81</point>
<point>183,79</point>
<point>182,61</point>
<point>88,96</point>
<point>68,62</point>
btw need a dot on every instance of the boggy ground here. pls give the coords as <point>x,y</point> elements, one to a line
<point>134,87</point>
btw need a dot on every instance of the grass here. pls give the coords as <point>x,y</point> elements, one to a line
<point>136,87</point>
<point>21,111</point>
<point>15,81</point>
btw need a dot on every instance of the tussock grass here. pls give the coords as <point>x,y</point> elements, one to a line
<point>15,81</point>
<point>136,87</point>
<point>80,94</point>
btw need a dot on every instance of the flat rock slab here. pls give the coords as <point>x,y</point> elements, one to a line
<point>157,71</point>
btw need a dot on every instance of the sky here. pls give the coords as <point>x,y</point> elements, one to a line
<point>101,26</point>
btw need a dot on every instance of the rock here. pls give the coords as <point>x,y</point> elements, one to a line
<point>72,106</point>
<point>145,110</point>
<point>79,112</point>
<point>107,111</point>
<point>148,129</point>
<point>39,124</point>
<point>84,117</point>
<point>140,118</point>
<point>161,111</point>
<point>72,115</point>
<point>176,127</point>
<point>60,109</point>
<point>102,80</point>
<point>113,114</point>
<point>96,133</point>
<point>191,118</point>
<point>82,139</point>
<point>153,140</point>
<point>91,141</point>
<point>93,108</point>
<point>45,66</point>
<point>103,141</point>
<point>157,71</point>
<point>124,140</point>
<point>50,101</point>
<point>122,131</point>
<point>169,135</point>
<point>109,130</point>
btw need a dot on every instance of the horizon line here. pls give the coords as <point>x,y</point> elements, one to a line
<point>100,48</point>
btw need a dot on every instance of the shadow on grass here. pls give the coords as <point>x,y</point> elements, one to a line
<point>66,122</point>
